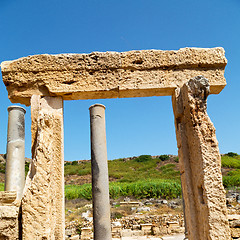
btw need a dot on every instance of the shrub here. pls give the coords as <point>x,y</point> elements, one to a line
<point>176,159</point>
<point>2,167</point>
<point>164,157</point>
<point>230,181</point>
<point>234,172</point>
<point>74,163</point>
<point>67,163</point>
<point>230,162</point>
<point>83,172</point>
<point>232,154</point>
<point>144,158</point>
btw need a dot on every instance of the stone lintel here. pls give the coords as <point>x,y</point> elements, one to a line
<point>111,74</point>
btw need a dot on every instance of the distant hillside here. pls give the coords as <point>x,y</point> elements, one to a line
<point>142,177</point>
<point>143,167</point>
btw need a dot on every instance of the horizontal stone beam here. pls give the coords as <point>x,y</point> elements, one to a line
<point>111,74</point>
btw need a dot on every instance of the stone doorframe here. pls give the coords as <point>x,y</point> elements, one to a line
<point>189,75</point>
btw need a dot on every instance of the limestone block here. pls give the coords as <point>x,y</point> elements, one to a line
<point>111,74</point>
<point>126,233</point>
<point>200,163</point>
<point>75,237</point>
<point>43,201</point>
<point>235,233</point>
<point>86,233</point>
<point>232,217</point>
<point>234,224</point>
<point>9,223</point>
<point>146,228</point>
<point>7,197</point>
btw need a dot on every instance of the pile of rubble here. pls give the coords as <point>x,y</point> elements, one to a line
<point>140,223</point>
<point>143,223</point>
<point>233,206</point>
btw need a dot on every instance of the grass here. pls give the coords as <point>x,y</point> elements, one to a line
<point>83,168</point>
<point>1,186</point>
<point>123,170</point>
<point>142,177</point>
<point>231,162</point>
<point>140,189</point>
<point>232,179</point>
<point>134,170</point>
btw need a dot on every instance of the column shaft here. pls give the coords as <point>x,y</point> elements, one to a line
<point>43,214</point>
<point>200,163</point>
<point>100,183</point>
<point>15,162</point>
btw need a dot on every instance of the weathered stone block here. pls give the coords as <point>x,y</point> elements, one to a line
<point>235,233</point>
<point>7,197</point>
<point>9,223</point>
<point>200,163</point>
<point>111,74</point>
<point>43,201</point>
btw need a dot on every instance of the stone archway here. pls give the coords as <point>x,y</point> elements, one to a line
<point>189,75</point>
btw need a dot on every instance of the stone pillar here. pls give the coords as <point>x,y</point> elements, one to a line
<point>200,163</point>
<point>43,213</point>
<point>15,162</point>
<point>100,184</point>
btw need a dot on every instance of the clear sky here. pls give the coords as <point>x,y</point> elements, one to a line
<point>134,126</point>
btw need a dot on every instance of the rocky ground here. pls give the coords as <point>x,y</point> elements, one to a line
<point>142,219</point>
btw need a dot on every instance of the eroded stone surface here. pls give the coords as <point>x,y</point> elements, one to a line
<point>111,74</point>
<point>43,200</point>
<point>200,163</point>
<point>9,215</point>
<point>7,197</point>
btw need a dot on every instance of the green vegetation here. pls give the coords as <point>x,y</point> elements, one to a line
<point>136,170</point>
<point>231,162</point>
<point>140,189</point>
<point>75,168</point>
<point>232,154</point>
<point>143,158</point>
<point>164,157</point>
<point>125,170</point>
<point>232,179</point>
<point>142,177</point>
<point>2,167</point>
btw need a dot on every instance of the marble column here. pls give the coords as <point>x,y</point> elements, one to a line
<point>100,182</point>
<point>15,162</point>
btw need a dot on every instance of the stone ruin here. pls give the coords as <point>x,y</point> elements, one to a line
<point>189,75</point>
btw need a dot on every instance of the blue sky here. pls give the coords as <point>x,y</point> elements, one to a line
<point>134,126</point>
